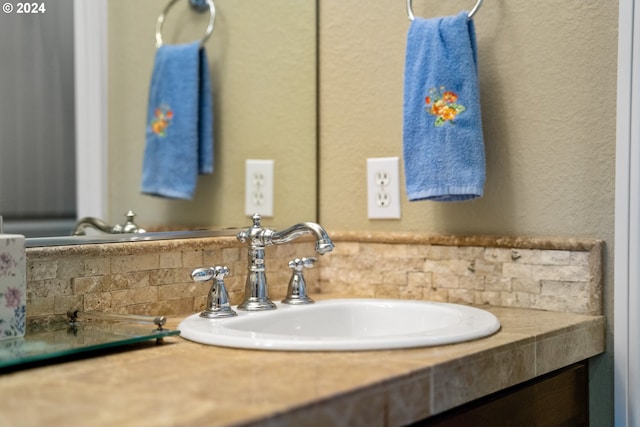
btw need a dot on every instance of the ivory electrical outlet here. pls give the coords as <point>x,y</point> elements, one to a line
<point>259,187</point>
<point>383,188</point>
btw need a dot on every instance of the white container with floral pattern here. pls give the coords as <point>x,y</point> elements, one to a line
<point>13,286</point>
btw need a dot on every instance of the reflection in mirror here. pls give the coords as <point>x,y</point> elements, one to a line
<point>262,65</point>
<point>262,62</point>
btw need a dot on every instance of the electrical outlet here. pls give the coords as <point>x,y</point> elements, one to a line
<point>258,188</point>
<point>383,188</point>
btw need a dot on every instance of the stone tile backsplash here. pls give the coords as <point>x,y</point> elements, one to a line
<point>154,277</point>
<point>550,275</point>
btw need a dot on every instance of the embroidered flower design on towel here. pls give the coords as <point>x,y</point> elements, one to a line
<point>161,120</point>
<point>443,104</point>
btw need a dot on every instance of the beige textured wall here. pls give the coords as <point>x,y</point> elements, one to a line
<point>263,66</point>
<point>548,89</point>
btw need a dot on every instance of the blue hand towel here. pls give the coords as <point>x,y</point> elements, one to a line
<point>179,122</point>
<point>442,130</point>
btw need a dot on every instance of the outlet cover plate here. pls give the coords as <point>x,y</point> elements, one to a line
<point>383,188</point>
<point>259,187</point>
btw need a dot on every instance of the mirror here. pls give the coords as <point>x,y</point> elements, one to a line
<point>262,60</point>
<point>263,64</point>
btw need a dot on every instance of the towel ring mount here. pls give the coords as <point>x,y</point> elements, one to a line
<point>412,16</point>
<point>199,6</point>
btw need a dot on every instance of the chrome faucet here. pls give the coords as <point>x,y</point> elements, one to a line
<point>128,227</point>
<point>256,295</point>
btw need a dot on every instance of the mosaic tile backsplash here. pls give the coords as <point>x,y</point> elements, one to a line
<point>154,277</point>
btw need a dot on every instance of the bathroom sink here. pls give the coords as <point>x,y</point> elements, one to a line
<point>343,325</point>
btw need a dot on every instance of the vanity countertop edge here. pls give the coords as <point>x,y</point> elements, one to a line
<point>181,383</point>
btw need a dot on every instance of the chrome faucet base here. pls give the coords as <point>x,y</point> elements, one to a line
<point>252,304</point>
<point>298,300</point>
<point>218,313</point>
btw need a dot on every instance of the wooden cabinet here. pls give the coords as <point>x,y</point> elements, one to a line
<point>560,399</point>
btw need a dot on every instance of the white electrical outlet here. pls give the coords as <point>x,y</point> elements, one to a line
<point>259,188</point>
<point>383,188</point>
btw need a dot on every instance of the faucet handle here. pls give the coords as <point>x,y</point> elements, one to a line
<point>208,273</point>
<point>299,264</point>
<point>297,290</point>
<point>218,299</point>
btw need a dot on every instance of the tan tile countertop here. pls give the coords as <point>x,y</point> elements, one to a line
<point>181,383</point>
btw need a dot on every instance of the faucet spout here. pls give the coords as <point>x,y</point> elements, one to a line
<point>89,221</point>
<point>323,242</point>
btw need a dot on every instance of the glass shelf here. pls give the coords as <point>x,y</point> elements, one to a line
<point>63,339</point>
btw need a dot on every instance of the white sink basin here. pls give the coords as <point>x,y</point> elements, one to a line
<point>343,325</point>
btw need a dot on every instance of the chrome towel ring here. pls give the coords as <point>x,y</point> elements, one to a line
<point>197,5</point>
<point>412,16</point>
